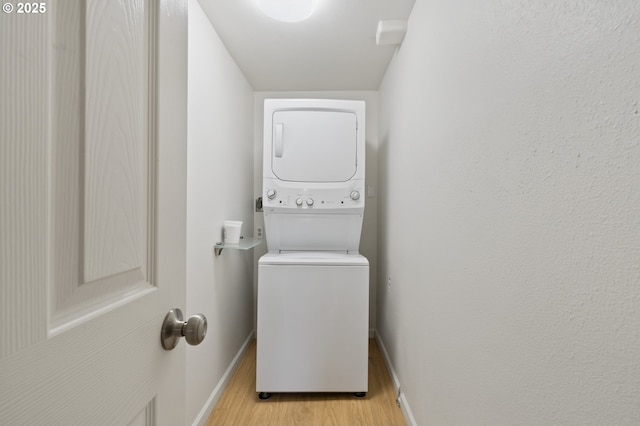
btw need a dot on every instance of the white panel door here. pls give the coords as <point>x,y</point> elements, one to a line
<point>92,219</point>
<point>314,145</point>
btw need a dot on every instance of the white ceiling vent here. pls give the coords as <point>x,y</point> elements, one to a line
<point>391,32</point>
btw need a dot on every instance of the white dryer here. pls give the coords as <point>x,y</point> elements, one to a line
<point>313,285</point>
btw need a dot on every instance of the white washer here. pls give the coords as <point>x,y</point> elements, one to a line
<point>313,319</point>
<point>313,285</point>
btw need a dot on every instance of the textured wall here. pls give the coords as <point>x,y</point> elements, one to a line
<point>510,212</point>
<point>220,187</point>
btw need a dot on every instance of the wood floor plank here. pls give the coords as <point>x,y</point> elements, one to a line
<point>239,404</point>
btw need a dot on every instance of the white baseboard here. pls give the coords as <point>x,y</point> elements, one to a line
<point>215,396</point>
<point>402,400</point>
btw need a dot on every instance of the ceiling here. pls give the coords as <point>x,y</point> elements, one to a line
<point>334,49</point>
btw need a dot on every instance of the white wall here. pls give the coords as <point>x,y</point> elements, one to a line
<point>509,214</point>
<point>220,187</point>
<point>368,240</point>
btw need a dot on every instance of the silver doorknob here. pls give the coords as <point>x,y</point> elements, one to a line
<point>174,327</point>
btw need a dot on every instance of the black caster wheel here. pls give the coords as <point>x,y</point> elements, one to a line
<point>263,396</point>
<point>359,394</point>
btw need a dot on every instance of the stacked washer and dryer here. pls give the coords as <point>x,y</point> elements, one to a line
<point>313,285</point>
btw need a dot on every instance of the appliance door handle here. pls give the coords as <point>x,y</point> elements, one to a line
<point>278,140</point>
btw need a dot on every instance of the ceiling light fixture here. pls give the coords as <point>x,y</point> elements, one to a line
<point>288,10</point>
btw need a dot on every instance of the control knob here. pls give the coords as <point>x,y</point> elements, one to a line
<point>299,202</point>
<point>355,195</point>
<point>309,202</point>
<point>271,194</point>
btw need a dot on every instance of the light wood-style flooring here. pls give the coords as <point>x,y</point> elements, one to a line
<point>239,404</point>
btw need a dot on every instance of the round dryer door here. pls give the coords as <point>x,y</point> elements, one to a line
<point>316,145</point>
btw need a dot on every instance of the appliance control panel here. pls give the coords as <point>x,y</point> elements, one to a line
<point>314,198</point>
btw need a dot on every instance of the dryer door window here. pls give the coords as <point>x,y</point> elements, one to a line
<point>314,145</point>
